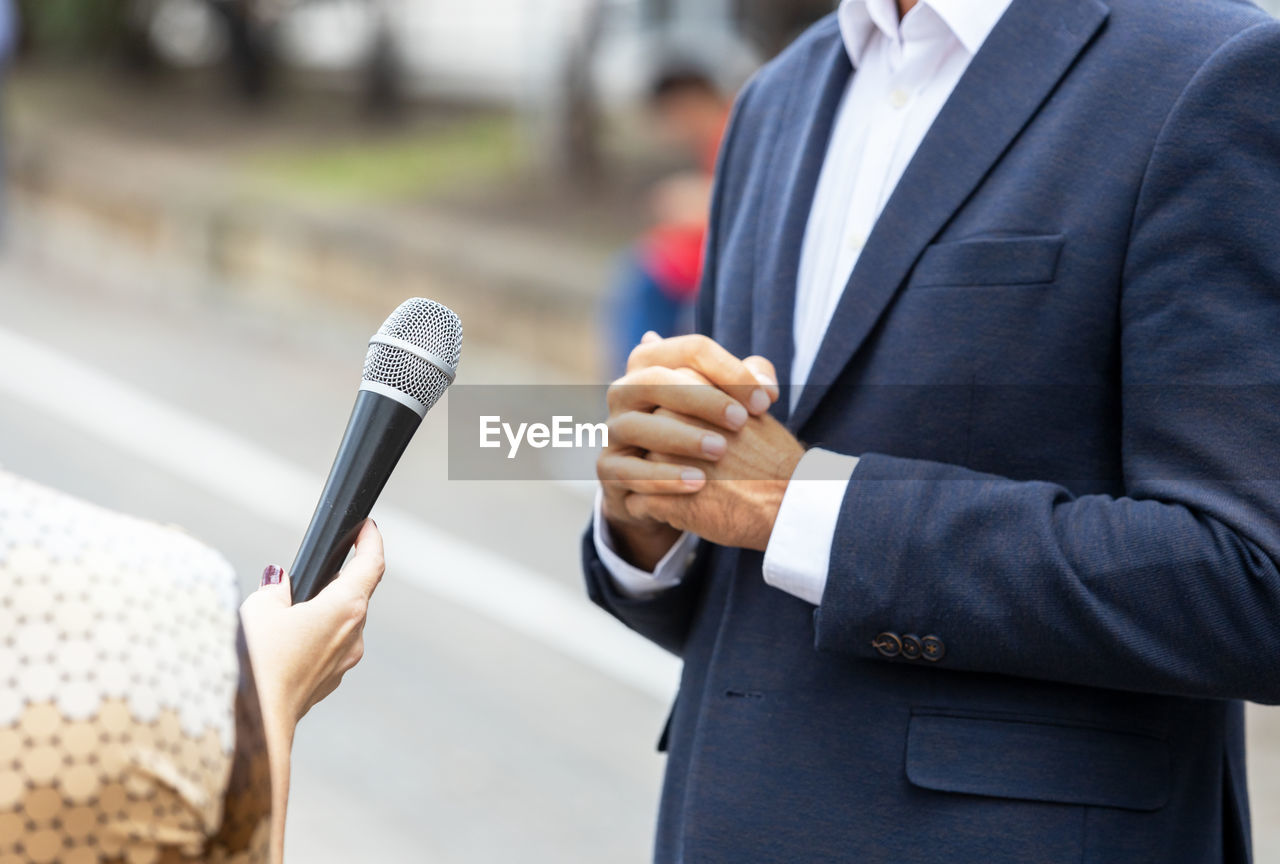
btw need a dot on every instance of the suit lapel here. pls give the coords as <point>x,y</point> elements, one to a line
<point>1013,73</point>
<point>795,163</point>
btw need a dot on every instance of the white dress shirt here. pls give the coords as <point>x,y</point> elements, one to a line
<point>905,71</point>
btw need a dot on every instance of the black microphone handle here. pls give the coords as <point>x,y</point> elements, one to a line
<point>377,433</point>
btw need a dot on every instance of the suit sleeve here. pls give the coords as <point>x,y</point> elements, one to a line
<point>1173,587</point>
<point>665,617</point>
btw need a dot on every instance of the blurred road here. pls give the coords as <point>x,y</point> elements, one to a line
<point>456,740</point>
<point>459,738</point>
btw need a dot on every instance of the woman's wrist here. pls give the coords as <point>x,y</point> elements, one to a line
<point>279,736</point>
<point>278,725</point>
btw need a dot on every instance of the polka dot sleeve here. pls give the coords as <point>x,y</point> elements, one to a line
<point>129,724</point>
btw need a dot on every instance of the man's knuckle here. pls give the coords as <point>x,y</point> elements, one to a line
<point>636,355</point>
<point>613,396</point>
<point>702,345</point>
<point>619,424</point>
<point>624,471</point>
<point>649,377</point>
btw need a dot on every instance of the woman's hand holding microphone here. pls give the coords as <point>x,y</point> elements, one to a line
<point>300,653</point>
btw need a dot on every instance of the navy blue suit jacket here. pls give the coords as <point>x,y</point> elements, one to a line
<point>1059,359</point>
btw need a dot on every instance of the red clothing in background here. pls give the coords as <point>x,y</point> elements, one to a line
<point>672,253</point>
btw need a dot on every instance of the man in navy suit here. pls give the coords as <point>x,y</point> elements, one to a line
<point>1011,273</point>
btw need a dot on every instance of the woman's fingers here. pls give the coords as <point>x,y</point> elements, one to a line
<point>343,606</point>
<point>364,571</point>
<point>710,360</point>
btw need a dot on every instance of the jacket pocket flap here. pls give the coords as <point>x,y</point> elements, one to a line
<point>1037,761</point>
<point>996,261</point>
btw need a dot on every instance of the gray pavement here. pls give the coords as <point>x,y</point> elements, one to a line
<point>456,740</point>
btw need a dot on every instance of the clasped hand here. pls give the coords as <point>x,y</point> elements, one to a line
<point>692,447</point>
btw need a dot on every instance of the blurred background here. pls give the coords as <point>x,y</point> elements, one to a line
<point>208,206</point>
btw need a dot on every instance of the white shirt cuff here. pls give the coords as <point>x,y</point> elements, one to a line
<point>798,555</point>
<point>630,579</point>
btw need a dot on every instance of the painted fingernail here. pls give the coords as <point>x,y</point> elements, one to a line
<point>272,575</point>
<point>713,445</point>
<point>759,402</point>
<point>691,477</point>
<point>735,415</point>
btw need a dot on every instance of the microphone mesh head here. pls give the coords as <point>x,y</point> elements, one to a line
<point>429,326</point>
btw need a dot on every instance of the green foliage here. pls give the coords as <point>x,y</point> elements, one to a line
<point>73,28</point>
<point>478,151</point>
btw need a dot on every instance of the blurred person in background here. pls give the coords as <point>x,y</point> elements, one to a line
<point>143,719</point>
<point>657,279</point>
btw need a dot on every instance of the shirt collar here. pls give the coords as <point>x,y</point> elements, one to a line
<point>970,21</point>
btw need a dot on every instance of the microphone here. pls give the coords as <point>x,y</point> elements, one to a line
<point>411,360</point>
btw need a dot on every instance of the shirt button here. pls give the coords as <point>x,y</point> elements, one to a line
<point>855,242</point>
<point>899,98</point>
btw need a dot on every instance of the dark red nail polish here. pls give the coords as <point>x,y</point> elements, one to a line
<point>272,575</point>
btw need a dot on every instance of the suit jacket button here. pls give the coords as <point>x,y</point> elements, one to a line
<point>888,644</point>
<point>911,647</point>
<point>932,649</point>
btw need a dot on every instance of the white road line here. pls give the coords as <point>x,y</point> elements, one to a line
<point>257,481</point>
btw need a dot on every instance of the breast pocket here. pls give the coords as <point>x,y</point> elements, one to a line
<point>990,261</point>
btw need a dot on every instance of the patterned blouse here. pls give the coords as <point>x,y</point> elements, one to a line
<point>129,722</point>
